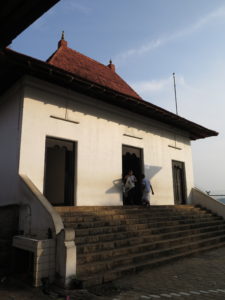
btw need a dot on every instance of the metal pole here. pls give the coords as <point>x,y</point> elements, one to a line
<point>175,92</point>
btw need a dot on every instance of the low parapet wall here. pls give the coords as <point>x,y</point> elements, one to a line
<point>37,215</point>
<point>40,221</point>
<point>200,198</point>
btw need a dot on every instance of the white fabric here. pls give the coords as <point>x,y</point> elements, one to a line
<point>130,182</point>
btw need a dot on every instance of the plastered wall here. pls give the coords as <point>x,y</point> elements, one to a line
<point>99,130</point>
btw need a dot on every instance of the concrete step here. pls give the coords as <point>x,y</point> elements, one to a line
<point>121,219</point>
<point>142,227</point>
<point>113,241</point>
<point>79,218</point>
<point>106,210</point>
<point>155,227</point>
<point>92,253</point>
<point>172,233</point>
<point>101,210</point>
<point>125,210</point>
<point>142,257</point>
<point>107,276</point>
<point>146,240</point>
<point>124,207</point>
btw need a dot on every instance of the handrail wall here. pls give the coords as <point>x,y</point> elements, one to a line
<point>200,198</point>
<point>42,216</point>
<point>40,212</point>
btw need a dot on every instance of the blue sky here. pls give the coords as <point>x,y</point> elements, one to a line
<point>148,40</point>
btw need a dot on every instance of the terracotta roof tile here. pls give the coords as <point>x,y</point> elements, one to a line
<point>89,69</point>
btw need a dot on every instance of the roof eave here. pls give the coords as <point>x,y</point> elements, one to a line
<point>27,65</point>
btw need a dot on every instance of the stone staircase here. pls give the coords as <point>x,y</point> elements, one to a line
<point>114,241</point>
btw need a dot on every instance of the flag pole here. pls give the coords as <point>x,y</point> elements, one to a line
<point>175,92</point>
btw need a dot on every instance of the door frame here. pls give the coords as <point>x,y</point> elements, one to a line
<point>141,168</point>
<point>180,164</point>
<point>141,156</point>
<point>74,175</point>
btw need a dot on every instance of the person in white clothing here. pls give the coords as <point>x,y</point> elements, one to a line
<point>146,189</point>
<point>129,186</point>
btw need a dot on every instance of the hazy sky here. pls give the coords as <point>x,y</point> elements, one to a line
<point>148,40</point>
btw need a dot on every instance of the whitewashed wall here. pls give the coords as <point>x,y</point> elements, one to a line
<point>10,115</point>
<point>99,136</point>
<point>12,190</point>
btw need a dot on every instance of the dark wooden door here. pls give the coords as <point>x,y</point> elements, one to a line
<point>59,171</point>
<point>179,182</point>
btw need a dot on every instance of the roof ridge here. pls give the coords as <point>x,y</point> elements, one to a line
<point>91,69</point>
<point>95,61</point>
<point>91,59</point>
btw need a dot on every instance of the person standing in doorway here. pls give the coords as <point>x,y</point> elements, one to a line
<point>129,186</point>
<point>146,189</point>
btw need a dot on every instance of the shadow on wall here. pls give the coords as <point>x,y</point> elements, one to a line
<point>149,171</point>
<point>82,106</point>
<point>116,188</point>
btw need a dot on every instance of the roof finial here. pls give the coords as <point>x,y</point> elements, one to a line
<point>111,65</point>
<point>62,42</point>
<point>62,37</point>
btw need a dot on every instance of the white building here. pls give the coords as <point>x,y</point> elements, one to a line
<point>70,125</point>
<point>71,128</point>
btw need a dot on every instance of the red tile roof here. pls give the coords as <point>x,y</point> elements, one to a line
<point>89,69</point>
<point>14,66</point>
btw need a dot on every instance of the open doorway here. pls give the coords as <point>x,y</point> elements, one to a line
<point>59,171</point>
<point>179,182</point>
<point>132,159</point>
